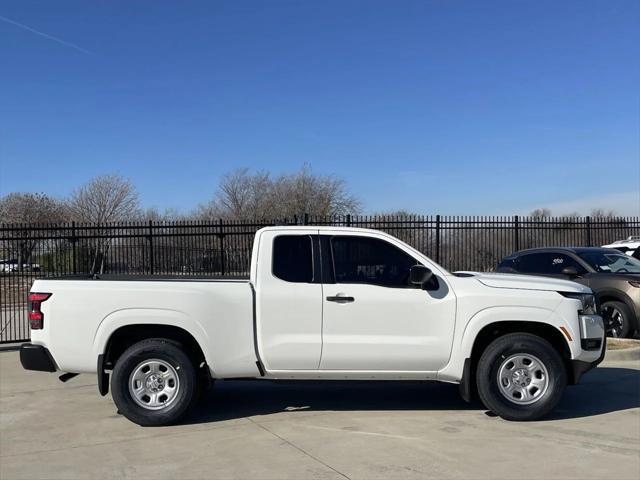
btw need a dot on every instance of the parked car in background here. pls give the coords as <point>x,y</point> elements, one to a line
<point>9,266</point>
<point>613,276</point>
<point>630,246</point>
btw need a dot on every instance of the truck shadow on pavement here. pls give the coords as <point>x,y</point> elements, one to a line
<point>601,391</point>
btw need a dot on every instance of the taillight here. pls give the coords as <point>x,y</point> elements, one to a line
<point>36,316</point>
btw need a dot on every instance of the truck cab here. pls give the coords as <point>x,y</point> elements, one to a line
<point>343,301</point>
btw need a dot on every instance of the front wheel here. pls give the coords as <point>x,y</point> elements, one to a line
<point>520,376</point>
<point>154,383</point>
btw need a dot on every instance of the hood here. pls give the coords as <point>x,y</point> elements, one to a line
<point>617,276</point>
<point>526,282</point>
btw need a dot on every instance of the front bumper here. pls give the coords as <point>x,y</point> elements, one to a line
<point>579,367</point>
<point>36,357</point>
<point>592,332</point>
<point>592,340</point>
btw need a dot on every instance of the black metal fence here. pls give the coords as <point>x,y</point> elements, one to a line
<point>224,247</point>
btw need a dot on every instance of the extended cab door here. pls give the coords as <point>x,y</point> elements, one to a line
<point>373,318</point>
<point>288,300</point>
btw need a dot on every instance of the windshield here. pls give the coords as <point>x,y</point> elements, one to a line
<point>611,262</point>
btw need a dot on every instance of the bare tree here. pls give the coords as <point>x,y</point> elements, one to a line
<point>540,213</point>
<point>31,208</point>
<point>156,215</point>
<point>306,192</point>
<point>602,213</point>
<point>107,198</point>
<point>26,209</point>
<point>102,201</point>
<point>242,194</point>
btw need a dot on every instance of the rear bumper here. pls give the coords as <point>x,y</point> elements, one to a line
<point>36,357</point>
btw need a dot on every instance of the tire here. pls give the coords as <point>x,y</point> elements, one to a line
<point>530,367</point>
<point>163,375</point>
<point>617,319</point>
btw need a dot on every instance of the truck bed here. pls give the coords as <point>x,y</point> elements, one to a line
<point>154,278</point>
<point>217,312</point>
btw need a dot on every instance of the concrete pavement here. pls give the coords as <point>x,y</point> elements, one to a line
<point>317,430</point>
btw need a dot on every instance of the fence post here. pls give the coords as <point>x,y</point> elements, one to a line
<point>73,241</point>
<point>437,238</point>
<point>150,236</point>
<point>306,219</point>
<point>221,236</point>
<point>516,233</point>
<point>348,220</point>
<point>588,227</point>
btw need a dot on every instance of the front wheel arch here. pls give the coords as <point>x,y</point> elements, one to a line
<point>495,330</point>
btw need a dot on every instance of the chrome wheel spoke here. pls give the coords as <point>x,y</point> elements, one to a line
<point>614,321</point>
<point>538,382</point>
<point>533,366</point>
<point>139,392</point>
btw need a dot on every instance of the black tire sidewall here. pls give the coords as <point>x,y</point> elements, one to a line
<point>147,350</point>
<point>627,327</point>
<point>487,376</point>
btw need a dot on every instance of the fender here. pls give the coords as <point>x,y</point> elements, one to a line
<point>142,316</point>
<point>463,344</point>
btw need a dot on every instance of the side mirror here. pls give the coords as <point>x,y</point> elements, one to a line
<point>419,275</point>
<point>570,272</point>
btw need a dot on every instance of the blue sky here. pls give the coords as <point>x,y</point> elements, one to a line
<point>434,106</point>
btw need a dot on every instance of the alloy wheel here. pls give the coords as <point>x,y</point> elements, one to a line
<point>614,321</point>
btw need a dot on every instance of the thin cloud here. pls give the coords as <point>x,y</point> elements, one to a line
<point>46,35</point>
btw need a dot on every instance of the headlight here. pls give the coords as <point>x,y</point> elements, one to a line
<point>588,300</point>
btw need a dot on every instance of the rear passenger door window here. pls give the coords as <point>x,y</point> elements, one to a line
<point>293,258</point>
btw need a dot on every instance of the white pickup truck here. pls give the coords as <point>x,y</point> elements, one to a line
<point>320,303</point>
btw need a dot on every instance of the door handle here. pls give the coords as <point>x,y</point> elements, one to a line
<point>340,299</point>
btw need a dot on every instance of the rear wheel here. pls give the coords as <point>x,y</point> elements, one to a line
<point>520,376</point>
<point>617,319</point>
<point>154,383</point>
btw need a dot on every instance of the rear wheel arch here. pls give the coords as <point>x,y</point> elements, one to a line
<point>127,335</point>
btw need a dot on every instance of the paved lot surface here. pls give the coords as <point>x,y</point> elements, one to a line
<point>314,430</point>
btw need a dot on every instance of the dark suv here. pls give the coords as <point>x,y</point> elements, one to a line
<point>613,276</point>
